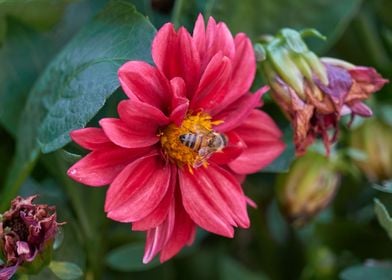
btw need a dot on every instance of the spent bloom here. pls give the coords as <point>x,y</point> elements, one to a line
<point>27,232</point>
<point>184,140</point>
<point>314,93</point>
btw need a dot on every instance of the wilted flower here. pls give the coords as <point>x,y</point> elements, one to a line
<point>374,139</point>
<point>314,93</point>
<point>27,232</point>
<point>308,187</point>
<point>184,141</point>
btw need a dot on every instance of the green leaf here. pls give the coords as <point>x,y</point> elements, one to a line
<point>232,270</point>
<point>386,186</point>
<point>66,270</point>
<point>38,14</point>
<point>360,272</point>
<point>78,82</point>
<point>23,56</point>
<point>260,17</point>
<point>383,217</point>
<point>129,258</point>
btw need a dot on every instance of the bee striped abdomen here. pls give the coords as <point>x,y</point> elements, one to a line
<point>191,140</point>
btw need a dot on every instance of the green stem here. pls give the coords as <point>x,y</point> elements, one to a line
<point>177,12</point>
<point>17,175</point>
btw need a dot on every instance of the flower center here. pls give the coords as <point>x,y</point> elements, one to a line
<point>193,142</point>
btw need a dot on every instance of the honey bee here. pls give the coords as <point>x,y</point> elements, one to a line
<point>205,144</point>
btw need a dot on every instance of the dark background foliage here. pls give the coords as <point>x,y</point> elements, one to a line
<point>58,64</point>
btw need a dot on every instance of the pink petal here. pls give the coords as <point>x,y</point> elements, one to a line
<point>100,167</point>
<point>244,68</point>
<point>165,49</point>
<point>189,60</point>
<point>180,103</point>
<point>234,148</point>
<point>182,234</point>
<point>138,189</point>
<point>91,138</point>
<point>218,39</point>
<point>199,35</point>
<point>157,237</point>
<point>7,272</point>
<point>144,82</point>
<point>238,111</point>
<point>157,217</point>
<point>206,199</point>
<point>137,114</point>
<point>125,135</point>
<point>361,109</point>
<point>262,138</point>
<point>213,84</point>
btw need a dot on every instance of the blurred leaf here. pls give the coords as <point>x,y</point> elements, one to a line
<point>360,272</point>
<point>282,163</point>
<point>69,157</point>
<point>39,14</point>
<point>23,56</point>
<point>383,217</point>
<point>385,186</point>
<point>84,74</point>
<point>232,270</point>
<point>260,17</point>
<point>129,258</point>
<point>66,270</point>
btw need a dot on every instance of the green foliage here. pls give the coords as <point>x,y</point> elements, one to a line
<point>367,272</point>
<point>128,258</point>
<point>383,217</point>
<point>66,270</point>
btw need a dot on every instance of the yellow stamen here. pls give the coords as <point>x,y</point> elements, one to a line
<point>176,151</point>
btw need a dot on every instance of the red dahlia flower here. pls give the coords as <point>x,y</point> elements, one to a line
<point>184,140</point>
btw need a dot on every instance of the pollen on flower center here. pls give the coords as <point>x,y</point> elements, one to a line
<point>196,129</point>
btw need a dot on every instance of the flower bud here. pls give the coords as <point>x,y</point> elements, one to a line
<point>315,92</point>
<point>307,188</point>
<point>27,232</point>
<point>374,139</point>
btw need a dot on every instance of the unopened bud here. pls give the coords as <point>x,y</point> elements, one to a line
<point>307,188</point>
<point>374,139</point>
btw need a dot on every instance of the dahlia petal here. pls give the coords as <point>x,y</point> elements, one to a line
<point>157,237</point>
<point>182,234</point>
<point>144,82</point>
<point>238,111</point>
<point>199,35</point>
<point>180,103</point>
<point>189,60</point>
<point>7,272</point>
<point>206,204</point>
<point>231,193</point>
<point>361,109</point>
<point>262,137</point>
<point>138,189</point>
<point>91,138</point>
<point>100,167</point>
<point>235,147</point>
<point>136,114</point>
<point>159,214</point>
<point>244,68</point>
<point>165,50</point>
<point>127,136</point>
<point>213,84</point>
<point>218,39</point>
